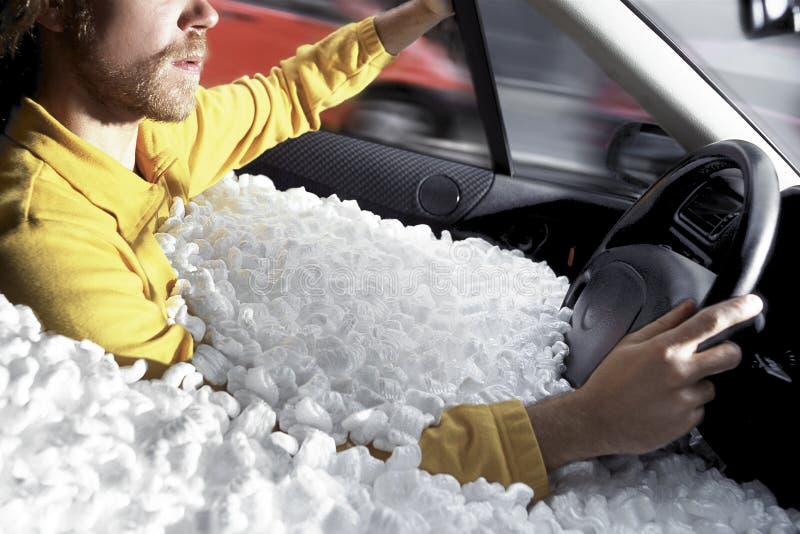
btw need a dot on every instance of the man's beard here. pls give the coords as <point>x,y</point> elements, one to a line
<point>151,88</point>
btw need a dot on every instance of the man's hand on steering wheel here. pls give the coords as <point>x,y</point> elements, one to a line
<point>658,377</point>
<point>650,390</point>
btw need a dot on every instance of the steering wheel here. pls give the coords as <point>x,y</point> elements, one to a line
<point>702,231</point>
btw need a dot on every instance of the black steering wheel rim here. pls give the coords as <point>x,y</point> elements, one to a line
<point>628,283</point>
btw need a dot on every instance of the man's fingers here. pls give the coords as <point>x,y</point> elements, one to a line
<point>714,319</point>
<point>702,393</point>
<point>717,359</point>
<point>696,417</point>
<point>666,322</point>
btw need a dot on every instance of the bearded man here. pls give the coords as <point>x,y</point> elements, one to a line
<point>104,124</point>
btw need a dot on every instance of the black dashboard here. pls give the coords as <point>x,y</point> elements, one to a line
<point>753,424</point>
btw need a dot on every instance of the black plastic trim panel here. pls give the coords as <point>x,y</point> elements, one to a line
<point>510,192</point>
<point>381,178</point>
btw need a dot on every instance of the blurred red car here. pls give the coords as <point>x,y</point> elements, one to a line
<point>254,36</point>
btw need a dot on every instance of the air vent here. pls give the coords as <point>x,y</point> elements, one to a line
<point>712,209</point>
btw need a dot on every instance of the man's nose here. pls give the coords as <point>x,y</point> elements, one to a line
<point>198,15</point>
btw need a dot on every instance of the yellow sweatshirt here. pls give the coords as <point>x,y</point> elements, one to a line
<point>76,229</point>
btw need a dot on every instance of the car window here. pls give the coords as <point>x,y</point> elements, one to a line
<point>760,74</point>
<point>560,110</point>
<point>423,101</point>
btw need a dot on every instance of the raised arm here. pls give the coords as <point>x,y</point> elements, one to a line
<point>234,123</point>
<point>406,23</point>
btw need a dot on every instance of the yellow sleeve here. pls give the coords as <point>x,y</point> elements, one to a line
<point>80,286</point>
<point>234,123</point>
<point>494,441</point>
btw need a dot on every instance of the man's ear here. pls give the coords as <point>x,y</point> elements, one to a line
<point>53,16</point>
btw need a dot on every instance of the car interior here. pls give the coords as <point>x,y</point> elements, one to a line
<point>736,193</point>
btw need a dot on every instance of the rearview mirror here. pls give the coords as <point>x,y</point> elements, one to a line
<point>762,18</point>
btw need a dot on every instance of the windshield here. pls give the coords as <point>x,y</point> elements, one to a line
<point>759,75</point>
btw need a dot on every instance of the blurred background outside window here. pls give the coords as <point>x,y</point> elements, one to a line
<point>560,110</point>
<point>424,101</point>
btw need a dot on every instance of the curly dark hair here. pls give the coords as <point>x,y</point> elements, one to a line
<point>20,52</point>
<point>17,19</point>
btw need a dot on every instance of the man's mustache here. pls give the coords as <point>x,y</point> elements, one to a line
<point>194,46</point>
